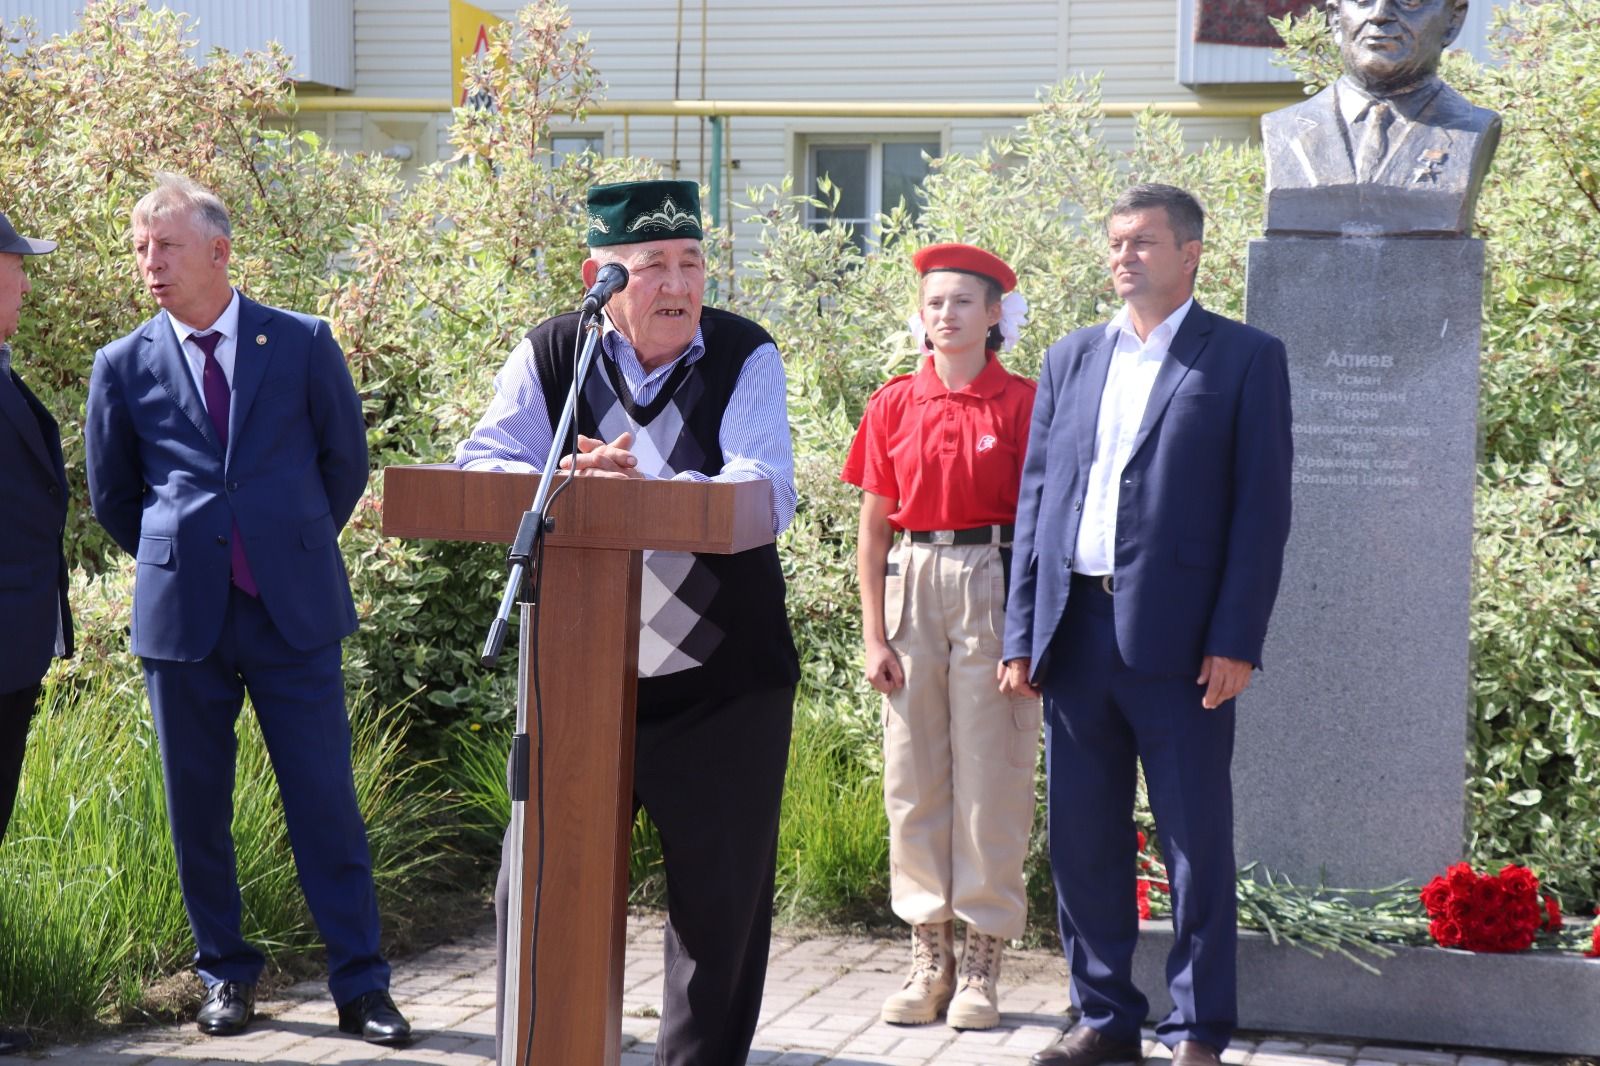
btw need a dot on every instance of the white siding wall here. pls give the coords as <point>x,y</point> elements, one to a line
<point>1135,43</point>
<point>50,16</point>
<point>919,50</point>
<point>836,50</point>
<point>316,32</point>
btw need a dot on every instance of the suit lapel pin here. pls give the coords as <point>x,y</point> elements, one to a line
<point>261,338</point>
<point>1429,164</point>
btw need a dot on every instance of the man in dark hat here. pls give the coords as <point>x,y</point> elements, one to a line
<point>689,393</point>
<point>35,623</point>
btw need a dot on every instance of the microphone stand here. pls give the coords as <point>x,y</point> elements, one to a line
<point>535,523</point>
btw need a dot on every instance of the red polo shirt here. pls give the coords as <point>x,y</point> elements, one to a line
<point>950,460</point>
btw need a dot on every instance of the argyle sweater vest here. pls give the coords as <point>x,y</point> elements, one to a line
<point>710,625</point>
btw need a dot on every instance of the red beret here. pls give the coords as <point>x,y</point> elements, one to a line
<point>966,259</point>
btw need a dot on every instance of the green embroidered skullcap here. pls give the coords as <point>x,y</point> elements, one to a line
<point>632,212</point>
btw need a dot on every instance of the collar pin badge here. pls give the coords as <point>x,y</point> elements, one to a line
<point>261,338</point>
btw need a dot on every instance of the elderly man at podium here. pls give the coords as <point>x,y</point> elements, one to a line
<point>693,393</point>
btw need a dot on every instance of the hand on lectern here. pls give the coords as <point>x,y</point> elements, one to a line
<point>596,458</point>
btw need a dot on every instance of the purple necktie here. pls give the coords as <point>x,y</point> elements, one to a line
<point>214,384</point>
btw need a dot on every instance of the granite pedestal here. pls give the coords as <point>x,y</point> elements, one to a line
<point>1535,1001</point>
<point>1351,747</point>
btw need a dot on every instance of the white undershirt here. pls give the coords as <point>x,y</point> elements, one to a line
<point>226,324</point>
<point>1132,375</point>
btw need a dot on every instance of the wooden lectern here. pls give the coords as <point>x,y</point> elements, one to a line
<point>588,658</point>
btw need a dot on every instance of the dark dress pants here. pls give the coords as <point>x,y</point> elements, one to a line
<point>16,714</point>
<point>1100,716</point>
<point>298,698</point>
<point>710,774</point>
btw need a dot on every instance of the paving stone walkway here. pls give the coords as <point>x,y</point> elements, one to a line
<point>821,1009</point>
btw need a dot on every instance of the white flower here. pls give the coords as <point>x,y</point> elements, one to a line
<point>918,332</point>
<point>1013,316</point>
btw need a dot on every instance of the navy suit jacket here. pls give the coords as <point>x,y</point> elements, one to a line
<point>33,569</point>
<point>1203,507</point>
<point>169,492</point>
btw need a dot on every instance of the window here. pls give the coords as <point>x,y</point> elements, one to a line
<point>571,143</point>
<point>871,176</point>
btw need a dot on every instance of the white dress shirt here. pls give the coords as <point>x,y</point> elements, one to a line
<point>226,324</point>
<point>1132,375</point>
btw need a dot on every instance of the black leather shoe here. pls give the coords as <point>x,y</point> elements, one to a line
<point>228,1008</point>
<point>14,1040</point>
<point>375,1018</point>
<point>1194,1053</point>
<point>1088,1046</point>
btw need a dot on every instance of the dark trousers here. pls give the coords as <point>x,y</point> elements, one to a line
<point>16,714</point>
<point>710,775</point>
<point>298,698</point>
<point>1100,716</point>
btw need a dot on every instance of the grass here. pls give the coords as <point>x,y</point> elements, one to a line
<point>90,913</point>
<point>833,840</point>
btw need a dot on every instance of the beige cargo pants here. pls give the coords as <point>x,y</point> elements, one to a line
<point>959,757</point>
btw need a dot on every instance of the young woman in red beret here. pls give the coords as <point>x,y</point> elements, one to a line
<point>939,459</point>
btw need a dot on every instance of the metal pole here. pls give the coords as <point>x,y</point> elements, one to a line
<point>716,169</point>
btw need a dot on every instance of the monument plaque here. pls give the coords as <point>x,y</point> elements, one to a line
<point>1351,758</point>
<point>1352,742</point>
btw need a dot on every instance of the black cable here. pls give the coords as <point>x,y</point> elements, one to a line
<point>538,719</point>
<point>538,868</point>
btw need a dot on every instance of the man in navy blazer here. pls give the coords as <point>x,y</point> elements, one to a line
<point>1149,543</point>
<point>226,449</point>
<point>35,623</point>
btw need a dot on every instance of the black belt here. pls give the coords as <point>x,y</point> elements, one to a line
<point>976,535</point>
<point>1101,583</point>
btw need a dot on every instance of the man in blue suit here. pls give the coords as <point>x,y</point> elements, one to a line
<point>226,449</point>
<point>35,623</point>
<point>1149,543</point>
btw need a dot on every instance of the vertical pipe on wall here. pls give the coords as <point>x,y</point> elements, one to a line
<point>703,35</point>
<point>716,169</point>
<point>715,182</point>
<point>677,82</point>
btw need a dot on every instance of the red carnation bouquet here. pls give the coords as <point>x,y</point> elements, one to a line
<point>1153,875</point>
<point>1481,912</point>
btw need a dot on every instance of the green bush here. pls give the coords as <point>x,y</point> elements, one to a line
<point>1535,772</point>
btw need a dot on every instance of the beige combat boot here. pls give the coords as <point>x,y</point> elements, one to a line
<point>977,1000</point>
<point>932,981</point>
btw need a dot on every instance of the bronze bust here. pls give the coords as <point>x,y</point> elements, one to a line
<point>1388,149</point>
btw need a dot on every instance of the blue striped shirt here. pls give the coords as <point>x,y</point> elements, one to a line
<point>515,432</point>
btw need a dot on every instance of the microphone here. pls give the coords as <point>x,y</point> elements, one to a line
<point>612,280</point>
